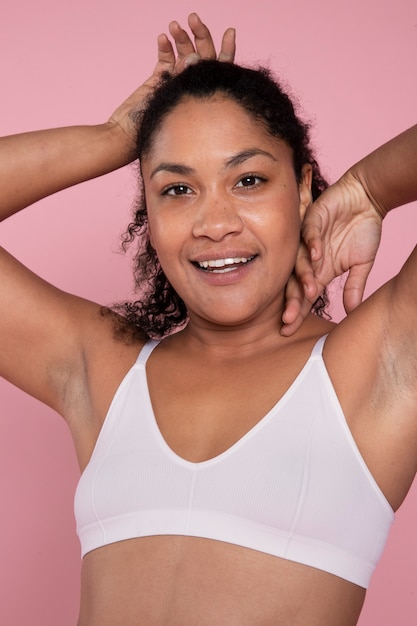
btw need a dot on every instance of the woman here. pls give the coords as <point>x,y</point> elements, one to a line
<point>221,484</point>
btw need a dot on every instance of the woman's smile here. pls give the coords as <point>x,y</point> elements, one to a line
<point>224,209</point>
<point>225,271</point>
<point>220,266</point>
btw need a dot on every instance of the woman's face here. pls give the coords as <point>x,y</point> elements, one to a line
<point>224,210</point>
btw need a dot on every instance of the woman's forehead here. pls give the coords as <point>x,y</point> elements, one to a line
<point>213,121</point>
<point>219,104</point>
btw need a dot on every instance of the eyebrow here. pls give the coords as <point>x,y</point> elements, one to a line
<point>174,168</point>
<point>236,159</point>
<point>243,156</point>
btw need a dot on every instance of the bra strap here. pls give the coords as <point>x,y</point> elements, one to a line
<point>318,346</point>
<point>146,351</point>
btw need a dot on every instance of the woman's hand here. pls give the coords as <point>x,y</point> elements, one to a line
<point>203,47</point>
<point>173,59</point>
<point>340,233</point>
<point>55,159</point>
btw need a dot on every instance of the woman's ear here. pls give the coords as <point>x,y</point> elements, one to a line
<point>306,197</point>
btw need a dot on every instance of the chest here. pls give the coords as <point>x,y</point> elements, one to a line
<point>295,474</point>
<point>201,412</point>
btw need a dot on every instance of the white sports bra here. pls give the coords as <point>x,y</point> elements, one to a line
<point>295,486</point>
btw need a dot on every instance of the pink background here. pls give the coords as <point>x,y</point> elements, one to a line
<point>351,64</point>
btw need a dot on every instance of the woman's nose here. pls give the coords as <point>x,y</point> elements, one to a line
<point>216,218</point>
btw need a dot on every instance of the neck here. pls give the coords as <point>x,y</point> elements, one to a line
<point>230,342</point>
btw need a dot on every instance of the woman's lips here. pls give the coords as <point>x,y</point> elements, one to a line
<point>227,264</point>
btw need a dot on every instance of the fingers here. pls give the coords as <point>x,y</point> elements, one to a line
<point>165,49</point>
<point>228,47</point>
<point>355,286</point>
<point>166,55</point>
<point>303,289</point>
<point>173,59</point>
<point>182,41</point>
<point>297,307</point>
<point>312,236</point>
<point>203,40</point>
<point>189,52</point>
<point>165,63</point>
<point>305,273</point>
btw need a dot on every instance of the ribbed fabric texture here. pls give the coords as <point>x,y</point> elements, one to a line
<point>295,486</point>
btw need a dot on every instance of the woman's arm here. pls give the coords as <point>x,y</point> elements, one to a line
<point>38,164</point>
<point>389,174</point>
<point>35,165</point>
<point>49,338</point>
<point>342,228</point>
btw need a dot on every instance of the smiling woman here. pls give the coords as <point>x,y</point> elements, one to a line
<point>208,105</point>
<point>236,471</point>
<point>220,217</point>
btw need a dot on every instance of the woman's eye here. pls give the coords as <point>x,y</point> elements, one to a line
<point>250,181</point>
<point>176,190</point>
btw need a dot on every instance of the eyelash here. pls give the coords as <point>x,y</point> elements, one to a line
<point>172,189</point>
<point>253,177</point>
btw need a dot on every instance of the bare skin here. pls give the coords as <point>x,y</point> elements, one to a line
<point>233,341</point>
<point>183,580</point>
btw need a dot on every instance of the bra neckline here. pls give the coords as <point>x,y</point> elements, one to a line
<point>142,360</point>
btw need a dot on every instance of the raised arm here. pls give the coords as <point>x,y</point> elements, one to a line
<point>342,228</point>
<point>52,160</point>
<point>388,174</point>
<point>47,337</point>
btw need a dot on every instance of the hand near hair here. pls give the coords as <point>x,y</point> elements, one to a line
<point>342,229</point>
<point>173,59</point>
<point>203,47</point>
<point>340,233</point>
<point>55,159</point>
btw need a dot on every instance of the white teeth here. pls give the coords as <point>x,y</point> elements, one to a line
<point>223,262</point>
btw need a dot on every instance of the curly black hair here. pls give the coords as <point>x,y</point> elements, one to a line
<point>160,310</point>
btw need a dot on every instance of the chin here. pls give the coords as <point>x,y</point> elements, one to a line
<point>227,318</point>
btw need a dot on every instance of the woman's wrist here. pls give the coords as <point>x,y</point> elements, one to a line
<point>123,143</point>
<point>388,174</point>
<point>358,185</point>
